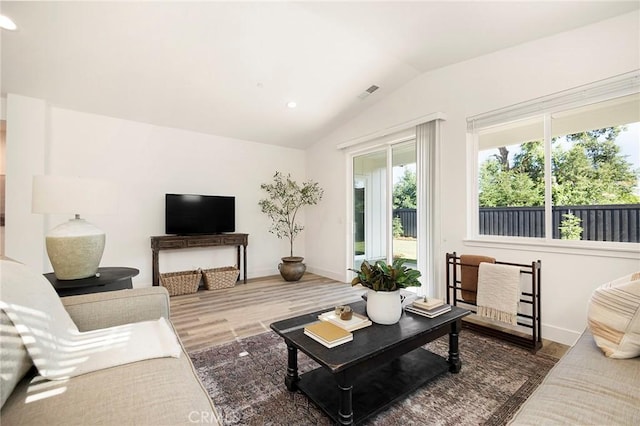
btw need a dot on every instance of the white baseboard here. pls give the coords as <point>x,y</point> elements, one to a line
<point>261,273</point>
<point>560,335</point>
<point>326,273</point>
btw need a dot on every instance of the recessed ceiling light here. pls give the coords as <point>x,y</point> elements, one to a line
<point>7,24</point>
<point>291,104</point>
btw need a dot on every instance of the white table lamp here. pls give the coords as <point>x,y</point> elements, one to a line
<point>74,247</point>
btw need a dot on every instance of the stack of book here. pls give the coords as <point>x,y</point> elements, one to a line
<point>328,334</point>
<point>429,308</point>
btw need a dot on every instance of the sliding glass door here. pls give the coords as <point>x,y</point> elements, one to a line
<point>385,205</point>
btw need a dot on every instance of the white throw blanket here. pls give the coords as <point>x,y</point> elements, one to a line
<point>53,341</point>
<point>498,292</point>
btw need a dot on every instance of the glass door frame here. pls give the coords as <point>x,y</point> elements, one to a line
<point>387,147</point>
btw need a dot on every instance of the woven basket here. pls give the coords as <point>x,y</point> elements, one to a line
<point>217,278</point>
<point>184,282</point>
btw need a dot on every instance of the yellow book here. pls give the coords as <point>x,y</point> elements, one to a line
<point>327,331</point>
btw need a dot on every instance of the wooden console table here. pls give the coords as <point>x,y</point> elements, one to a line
<point>177,242</point>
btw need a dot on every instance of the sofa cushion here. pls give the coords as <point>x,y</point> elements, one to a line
<point>585,388</point>
<point>160,391</point>
<point>14,359</point>
<point>614,317</point>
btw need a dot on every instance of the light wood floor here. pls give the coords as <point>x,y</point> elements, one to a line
<point>210,318</point>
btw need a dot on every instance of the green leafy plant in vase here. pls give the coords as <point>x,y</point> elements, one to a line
<point>384,282</point>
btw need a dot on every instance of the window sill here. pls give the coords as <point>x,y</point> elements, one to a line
<point>583,248</point>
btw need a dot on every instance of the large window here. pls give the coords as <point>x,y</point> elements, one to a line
<point>565,172</point>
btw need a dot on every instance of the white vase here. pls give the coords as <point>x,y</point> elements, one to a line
<point>384,307</point>
<point>75,248</point>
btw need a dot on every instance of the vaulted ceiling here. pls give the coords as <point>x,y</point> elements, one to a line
<point>230,68</point>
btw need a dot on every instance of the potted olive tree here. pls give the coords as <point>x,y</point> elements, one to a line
<point>384,283</point>
<point>285,198</point>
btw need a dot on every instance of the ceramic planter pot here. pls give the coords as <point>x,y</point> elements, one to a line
<point>292,268</point>
<point>384,307</point>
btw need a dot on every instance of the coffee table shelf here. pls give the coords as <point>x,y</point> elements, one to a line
<point>376,390</point>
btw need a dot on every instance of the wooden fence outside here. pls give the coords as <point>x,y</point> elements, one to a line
<point>409,221</point>
<point>617,222</point>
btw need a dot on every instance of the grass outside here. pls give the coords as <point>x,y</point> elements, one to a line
<point>406,248</point>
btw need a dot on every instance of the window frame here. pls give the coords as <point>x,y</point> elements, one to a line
<point>545,107</point>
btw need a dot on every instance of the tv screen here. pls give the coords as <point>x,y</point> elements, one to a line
<point>187,214</point>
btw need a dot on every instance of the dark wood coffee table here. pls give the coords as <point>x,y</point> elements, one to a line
<point>382,364</point>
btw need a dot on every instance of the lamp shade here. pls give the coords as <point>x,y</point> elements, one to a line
<point>75,195</point>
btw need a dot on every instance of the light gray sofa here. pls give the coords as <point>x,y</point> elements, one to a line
<point>161,391</point>
<point>585,388</point>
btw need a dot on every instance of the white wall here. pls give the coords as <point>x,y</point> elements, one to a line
<point>479,85</point>
<point>25,150</point>
<point>145,162</point>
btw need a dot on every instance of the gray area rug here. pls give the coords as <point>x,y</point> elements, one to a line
<point>246,382</point>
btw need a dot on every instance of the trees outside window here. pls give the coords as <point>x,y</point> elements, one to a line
<point>513,180</point>
<point>405,191</point>
<point>588,168</point>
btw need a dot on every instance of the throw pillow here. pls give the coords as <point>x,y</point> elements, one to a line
<point>614,317</point>
<point>14,359</point>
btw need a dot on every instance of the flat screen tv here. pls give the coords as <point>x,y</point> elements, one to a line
<point>187,214</point>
